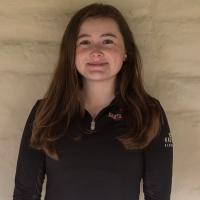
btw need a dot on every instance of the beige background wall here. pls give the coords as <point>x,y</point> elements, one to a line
<point>167,33</point>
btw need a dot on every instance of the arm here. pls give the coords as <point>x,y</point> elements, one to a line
<point>30,169</point>
<point>158,161</point>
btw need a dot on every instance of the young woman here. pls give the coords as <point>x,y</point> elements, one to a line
<point>96,133</point>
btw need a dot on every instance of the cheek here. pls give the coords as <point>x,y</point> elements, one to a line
<point>78,57</point>
<point>117,56</point>
<point>80,54</point>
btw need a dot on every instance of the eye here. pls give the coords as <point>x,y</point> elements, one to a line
<point>107,41</point>
<point>84,42</point>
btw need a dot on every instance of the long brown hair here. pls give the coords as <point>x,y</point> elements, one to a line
<point>63,99</point>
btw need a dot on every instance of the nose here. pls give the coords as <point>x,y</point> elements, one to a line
<point>96,52</point>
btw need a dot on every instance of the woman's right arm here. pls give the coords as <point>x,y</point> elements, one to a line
<point>30,171</point>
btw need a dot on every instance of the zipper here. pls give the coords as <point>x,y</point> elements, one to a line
<point>92,126</point>
<point>93,122</point>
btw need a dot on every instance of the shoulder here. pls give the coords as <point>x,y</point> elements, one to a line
<point>163,116</point>
<point>34,109</point>
<point>164,124</point>
<point>36,104</point>
<point>163,138</point>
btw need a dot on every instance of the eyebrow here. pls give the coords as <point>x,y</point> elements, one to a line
<point>103,35</point>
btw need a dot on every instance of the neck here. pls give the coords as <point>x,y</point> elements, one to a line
<point>97,94</point>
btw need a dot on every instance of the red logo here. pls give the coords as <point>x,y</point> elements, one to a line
<point>115,117</point>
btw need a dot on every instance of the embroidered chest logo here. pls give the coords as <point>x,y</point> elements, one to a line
<point>116,116</point>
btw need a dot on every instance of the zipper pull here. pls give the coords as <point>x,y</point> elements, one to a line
<point>92,127</point>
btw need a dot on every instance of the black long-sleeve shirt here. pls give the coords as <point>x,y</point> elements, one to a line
<point>99,167</point>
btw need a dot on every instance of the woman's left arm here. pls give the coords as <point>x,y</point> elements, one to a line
<point>158,163</point>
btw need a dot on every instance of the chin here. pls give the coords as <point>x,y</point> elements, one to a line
<point>98,78</point>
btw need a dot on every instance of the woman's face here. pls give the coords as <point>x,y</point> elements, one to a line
<point>100,49</point>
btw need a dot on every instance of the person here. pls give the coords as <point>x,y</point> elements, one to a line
<point>96,134</point>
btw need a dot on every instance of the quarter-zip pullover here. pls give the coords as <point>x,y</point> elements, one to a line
<point>98,167</point>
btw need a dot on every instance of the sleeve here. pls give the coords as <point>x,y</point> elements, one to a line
<point>30,170</point>
<point>158,163</point>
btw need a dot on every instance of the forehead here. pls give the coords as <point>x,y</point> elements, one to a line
<point>99,25</point>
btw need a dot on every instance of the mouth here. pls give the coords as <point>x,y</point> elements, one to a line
<point>96,64</point>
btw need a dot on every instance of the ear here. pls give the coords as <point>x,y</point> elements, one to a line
<point>125,56</point>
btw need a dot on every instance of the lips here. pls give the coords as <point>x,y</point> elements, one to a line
<point>97,63</point>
